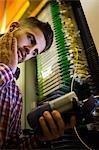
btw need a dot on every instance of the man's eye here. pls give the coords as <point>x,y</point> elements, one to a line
<point>31,39</point>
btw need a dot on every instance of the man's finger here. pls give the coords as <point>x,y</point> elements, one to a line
<point>60,123</point>
<point>44,127</point>
<point>14,44</point>
<point>51,123</point>
<point>73,121</point>
<point>14,48</point>
<point>9,41</point>
<point>14,60</point>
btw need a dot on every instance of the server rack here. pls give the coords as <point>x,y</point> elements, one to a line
<point>60,80</point>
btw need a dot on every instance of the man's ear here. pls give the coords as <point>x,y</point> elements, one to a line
<point>14,25</point>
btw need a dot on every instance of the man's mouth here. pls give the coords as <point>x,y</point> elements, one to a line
<point>21,54</point>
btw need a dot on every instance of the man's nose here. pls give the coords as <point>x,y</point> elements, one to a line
<point>28,49</point>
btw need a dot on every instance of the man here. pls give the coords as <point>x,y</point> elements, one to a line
<point>23,41</point>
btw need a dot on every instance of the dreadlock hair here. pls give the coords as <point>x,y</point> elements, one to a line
<point>43,26</point>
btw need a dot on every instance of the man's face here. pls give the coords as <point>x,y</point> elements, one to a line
<point>30,42</point>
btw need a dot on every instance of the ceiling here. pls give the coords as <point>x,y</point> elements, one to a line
<point>14,10</point>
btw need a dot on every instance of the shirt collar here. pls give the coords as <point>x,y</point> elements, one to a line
<point>17,73</point>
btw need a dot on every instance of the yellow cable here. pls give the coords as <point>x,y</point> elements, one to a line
<point>75,69</point>
<point>72,82</point>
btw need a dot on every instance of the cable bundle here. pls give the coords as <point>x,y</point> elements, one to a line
<point>78,64</point>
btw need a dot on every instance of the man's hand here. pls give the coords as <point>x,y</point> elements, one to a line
<point>53,125</point>
<point>8,51</point>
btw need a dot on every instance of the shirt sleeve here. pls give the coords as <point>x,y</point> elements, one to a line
<point>12,108</point>
<point>6,75</point>
<point>26,142</point>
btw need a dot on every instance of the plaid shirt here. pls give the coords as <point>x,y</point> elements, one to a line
<point>10,113</point>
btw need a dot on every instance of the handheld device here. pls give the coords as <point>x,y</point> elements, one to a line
<point>85,110</point>
<point>63,104</point>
